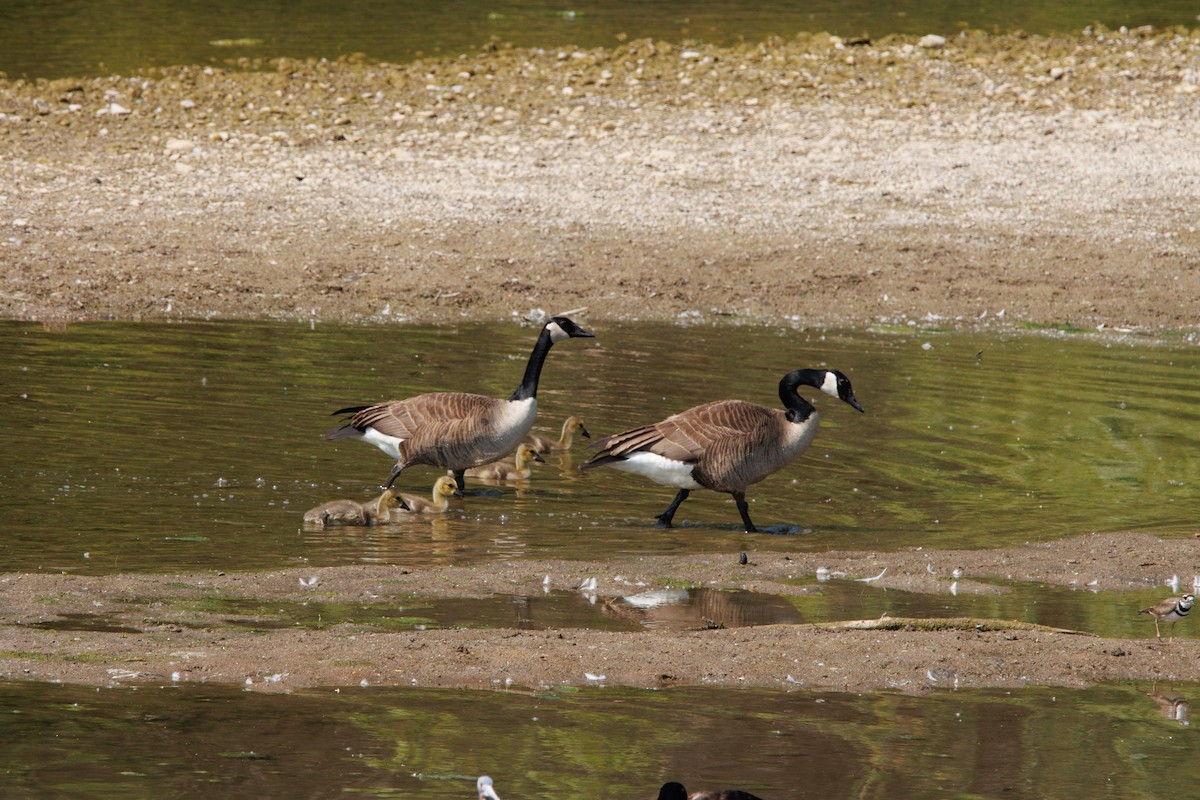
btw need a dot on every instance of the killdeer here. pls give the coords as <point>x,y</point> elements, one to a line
<point>1170,610</point>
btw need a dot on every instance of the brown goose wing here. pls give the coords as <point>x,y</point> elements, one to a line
<point>406,418</point>
<point>688,435</point>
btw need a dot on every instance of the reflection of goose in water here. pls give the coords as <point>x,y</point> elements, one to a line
<point>571,426</point>
<point>456,430</point>
<point>1172,706</point>
<point>685,609</point>
<point>438,503</point>
<point>349,512</point>
<point>725,446</point>
<point>516,470</point>
<point>675,791</point>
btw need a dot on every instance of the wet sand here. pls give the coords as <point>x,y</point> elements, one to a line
<point>162,629</point>
<point>996,180</point>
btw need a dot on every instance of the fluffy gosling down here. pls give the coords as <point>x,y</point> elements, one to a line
<point>725,445</point>
<point>349,512</point>
<point>516,470</point>
<point>443,489</point>
<point>571,426</point>
<point>456,430</point>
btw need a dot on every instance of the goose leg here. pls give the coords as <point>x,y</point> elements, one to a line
<point>664,519</point>
<point>395,473</point>
<point>460,477</point>
<point>744,510</point>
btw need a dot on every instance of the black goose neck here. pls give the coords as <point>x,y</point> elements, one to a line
<point>533,370</point>
<point>798,409</point>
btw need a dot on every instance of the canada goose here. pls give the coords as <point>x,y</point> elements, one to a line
<point>443,489</point>
<point>516,470</point>
<point>1170,610</point>
<point>570,427</point>
<point>456,430</point>
<point>349,512</point>
<point>675,791</point>
<point>484,787</point>
<point>726,445</point>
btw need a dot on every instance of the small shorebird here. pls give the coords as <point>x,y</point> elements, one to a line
<point>486,792</point>
<point>1170,610</point>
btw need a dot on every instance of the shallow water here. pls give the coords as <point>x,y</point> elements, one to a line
<point>164,447</point>
<point>1124,741</point>
<point>73,38</point>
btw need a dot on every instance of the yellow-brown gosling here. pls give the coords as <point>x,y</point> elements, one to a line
<point>516,470</point>
<point>456,430</point>
<point>571,426</point>
<point>443,490</point>
<point>349,512</point>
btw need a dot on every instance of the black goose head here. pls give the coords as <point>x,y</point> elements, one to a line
<point>838,385</point>
<point>561,328</point>
<point>830,381</point>
<point>672,791</point>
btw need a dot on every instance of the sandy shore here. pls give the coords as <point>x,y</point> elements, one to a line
<point>1019,179</point>
<point>991,180</point>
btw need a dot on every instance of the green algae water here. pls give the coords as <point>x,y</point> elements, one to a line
<point>98,37</point>
<point>163,447</point>
<point>1124,741</point>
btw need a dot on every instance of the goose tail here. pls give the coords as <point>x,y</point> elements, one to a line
<point>346,431</point>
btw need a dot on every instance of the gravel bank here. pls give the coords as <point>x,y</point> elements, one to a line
<point>1026,179</point>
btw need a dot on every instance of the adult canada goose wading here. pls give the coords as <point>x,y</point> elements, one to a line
<point>456,430</point>
<point>726,445</point>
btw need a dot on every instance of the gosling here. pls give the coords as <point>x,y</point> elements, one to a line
<point>349,512</point>
<point>443,490</point>
<point>516,470</point>
<point>570,427</point>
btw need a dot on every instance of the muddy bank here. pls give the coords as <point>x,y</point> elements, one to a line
<point>131,629</point>
<point>1003,179</point>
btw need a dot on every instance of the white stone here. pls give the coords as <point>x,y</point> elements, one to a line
<point>932,41</point>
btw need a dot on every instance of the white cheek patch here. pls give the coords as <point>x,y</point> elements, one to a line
<point>664,471</point>
<point>830,384</point>
<point>557,334</point>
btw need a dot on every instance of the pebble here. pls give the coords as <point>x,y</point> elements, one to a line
<point>931,41</point>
